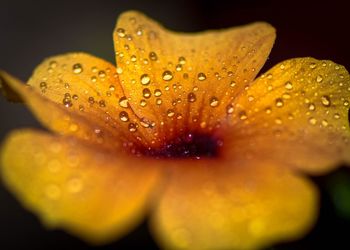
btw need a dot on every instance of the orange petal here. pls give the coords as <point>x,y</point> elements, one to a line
<point>233,205</point>
<point>186,81</point>
<point>296,113</point>
<point>81,95</point>
<point>93,194</point>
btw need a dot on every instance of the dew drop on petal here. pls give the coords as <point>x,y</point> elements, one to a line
<point>145,79</point>
<point>132,127</point>
<point>191,97</point>
<point>182,60</point>
<point>146,93</point>
<point>242,115</point>
<point>311,106</point>
<point>77,68</point>
<point>170,113</point>
<point>123,116</point>
<point>288,85</point>
<point>153,56</point>
<point>74,185</point>
<point>157,92</point>
<point>121,32</point>
<point>43,86</point>
<point>326,101</point>
<point>279,103</point>
<point>123,102</point>
<point>229,109</point>
<point>53,192</point>
<point>319,78</point>
<point>312,121</point>
<point>167,75</point>
<point>201,76</point>
<point>214,101</point>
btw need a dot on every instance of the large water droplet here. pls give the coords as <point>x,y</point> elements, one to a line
<point>326,101</point>
<point>123,102</point>
<point>153,56</point>
<point>145,79</point>
<point>121,32</point>
<point>201,76</point>
<point>77,68</point>
<point>167,75</point>
<point>146,93</point>
<point>123,116</point>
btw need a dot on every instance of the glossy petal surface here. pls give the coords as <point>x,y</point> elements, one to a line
<point>85,190</point>
<point>296,113</point>
<point>184,81</point>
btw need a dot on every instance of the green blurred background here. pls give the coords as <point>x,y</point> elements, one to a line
<point>34,30</point>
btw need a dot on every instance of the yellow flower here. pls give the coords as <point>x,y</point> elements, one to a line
<point>179,130</point>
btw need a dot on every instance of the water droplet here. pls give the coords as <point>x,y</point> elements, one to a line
<point>336,116</point>
<point>214,101</point>
<point>311,106</point>
<point>167,75</point>
<point>157,92</point>
<point>232,83</point>
<point>146,93</point>
<point>201,76</point>
<point>326,101</point>
<point>145,123</point>
<point>121,32</point>
<point>324,123</point>
<point>346,103</point>
<point>93,79</point>
<point>123,102</point>
<point>77,68</point>
<point>242,115</point>
<point>102,74</point>
<point>123,116</point>
<point>279,102</point>
<point>143,103</point>
<point>111,88</point>
<point>312,121</point>
<point>132,127</point>
<point>91,100</point>
<point>133,58</point>
<point>178,67</point>
<point>158,101</point>
<point>43,86</point>
<point>319,78</point>
<point>170,113</point>
<point>288,85</point>
<point>53,64</point>
<point>182,60</point>
<point>102,103</point>
<point>153,56</point>
<point>119,70</point>
<point>268,110</point>
<point>145,79</point>
<point>67,101</point>
<point>312,65</point>
<point>229,109</point>
<point>282,66</point>
<point>191,97</point>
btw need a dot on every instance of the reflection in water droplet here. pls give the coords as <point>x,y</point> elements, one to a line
<point>146,93</point>
<point>153,56</point>
<point>167,75</point>
<point>326,101</point>
<point>279,103</point>
<point>145,79</point>
<point>121,32</point>
<point>191,97</point>
<point>214,101</point>
<point>201,76</point>
<point>123,102</point>
<point>77,68</point>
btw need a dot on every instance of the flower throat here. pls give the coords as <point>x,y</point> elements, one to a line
<point>189,145</point>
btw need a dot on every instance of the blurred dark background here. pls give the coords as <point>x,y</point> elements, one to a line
<point>33,30</point>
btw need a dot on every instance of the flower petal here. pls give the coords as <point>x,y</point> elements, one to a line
<point>79,94</point>
<point>233,205</point>
<point>296,113</point>
<point>182,80</point>
<point>91,193</point>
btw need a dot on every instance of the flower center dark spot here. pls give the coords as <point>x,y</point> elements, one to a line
<point>190,145</point>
